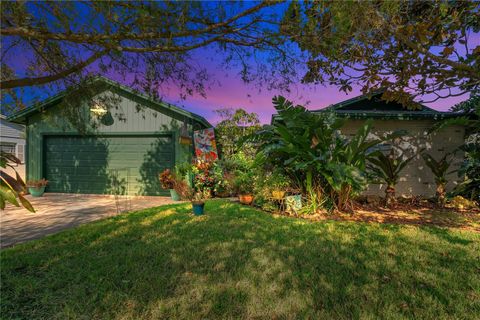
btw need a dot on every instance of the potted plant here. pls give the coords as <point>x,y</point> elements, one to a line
<point>279,185</point>
<point>244,185</point>
<point>198,202</point>
<point>168,181</point>
<point>196,196</point>
<point>36,187</point>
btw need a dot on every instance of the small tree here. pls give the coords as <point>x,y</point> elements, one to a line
<point>387,169</point>
<point>234,127</point>
<point>439,169</point>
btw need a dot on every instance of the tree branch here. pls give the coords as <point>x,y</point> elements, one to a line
<point>96,38</point>
<point>24,82</point>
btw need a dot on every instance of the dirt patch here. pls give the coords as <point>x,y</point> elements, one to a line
<point>404,213</point>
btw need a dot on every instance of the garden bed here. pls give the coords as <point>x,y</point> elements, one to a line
<point>422,213</point>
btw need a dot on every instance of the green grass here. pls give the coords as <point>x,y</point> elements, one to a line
<point>237,262</point>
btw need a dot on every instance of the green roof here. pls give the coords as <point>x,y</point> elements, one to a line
<point>373,107</point>
<point>22,115</point>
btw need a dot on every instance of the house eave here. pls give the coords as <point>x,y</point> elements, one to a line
<point>22,115</point>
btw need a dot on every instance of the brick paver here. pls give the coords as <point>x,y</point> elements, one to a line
<point>56,212</point>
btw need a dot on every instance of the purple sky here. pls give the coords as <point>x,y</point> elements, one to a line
<point>229,91</point>
<point>233,93</point>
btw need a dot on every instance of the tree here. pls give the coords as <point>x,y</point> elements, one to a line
<point>234,127</point>
<point>387,168</point>
<point>148,42</point>
<point>439,169</point>
<point>411,48</point>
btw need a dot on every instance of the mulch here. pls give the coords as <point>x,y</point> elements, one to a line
<point>418,214</point>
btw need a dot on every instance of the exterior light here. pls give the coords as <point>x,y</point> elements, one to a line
<point>98,110</point>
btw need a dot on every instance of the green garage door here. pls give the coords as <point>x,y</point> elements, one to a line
<point>107,165</point>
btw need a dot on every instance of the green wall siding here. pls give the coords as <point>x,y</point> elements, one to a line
<point>128,118</point>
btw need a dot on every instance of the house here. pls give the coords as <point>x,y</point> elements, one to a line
<point>12,140</point>
<point>115,141</point>
<point>416,177</point>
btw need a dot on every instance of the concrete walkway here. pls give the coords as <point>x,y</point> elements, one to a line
<point>56,212</point>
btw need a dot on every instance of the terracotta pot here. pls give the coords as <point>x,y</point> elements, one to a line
<point>245,198</point>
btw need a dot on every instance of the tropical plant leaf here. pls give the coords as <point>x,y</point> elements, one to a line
<point>25,203</point>
<point>8,195</point>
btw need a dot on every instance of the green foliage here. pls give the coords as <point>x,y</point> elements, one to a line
<point>411,48</point>
<point>439,168</point>
<point>244,182</point>
<point>470,169</point>
<point>231,131</point>
<point>471,106</point>
<point>312,153</point>
<point>12,188</point>
<point>244,173</point>
<point>387,168</point>
<point>278,181</point>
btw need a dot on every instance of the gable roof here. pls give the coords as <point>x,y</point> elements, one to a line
<point>22,115</point>
<point>373,106</point>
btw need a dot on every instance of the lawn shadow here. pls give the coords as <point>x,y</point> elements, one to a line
<point>237,262</point>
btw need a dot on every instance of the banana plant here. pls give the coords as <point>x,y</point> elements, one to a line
<point>386,169</point>
<point>310,149</point>
<point>439,169</point>
<point>12,189</point>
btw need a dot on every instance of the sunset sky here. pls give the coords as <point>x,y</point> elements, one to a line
<point>233,93</point>
<point>227,90</point>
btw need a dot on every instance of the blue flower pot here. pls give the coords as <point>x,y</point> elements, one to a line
<point>36,191</point>
<point>198,208</point>
<point>174,195</point>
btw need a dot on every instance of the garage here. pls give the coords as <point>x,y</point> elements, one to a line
<point>120,148</point>
<point>107,165</point>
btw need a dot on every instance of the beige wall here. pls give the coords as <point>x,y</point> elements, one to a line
<point>416,178</point>
<point>19,168</point>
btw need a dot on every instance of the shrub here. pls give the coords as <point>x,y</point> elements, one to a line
<point>439,169</point>
<point>470,169</point>
<point>167,179</point>
<point>244,182</point>
<point>387,168</point>
<point>203,179</point>
<point>328,167</point>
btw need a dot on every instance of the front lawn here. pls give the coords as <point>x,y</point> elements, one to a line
<point>237,262</point>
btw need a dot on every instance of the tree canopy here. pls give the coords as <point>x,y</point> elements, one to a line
<point>412,48</point>
<point>234,127</point>
<point>148,43</point>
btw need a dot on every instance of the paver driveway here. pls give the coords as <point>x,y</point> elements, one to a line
<point>56,212</point>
